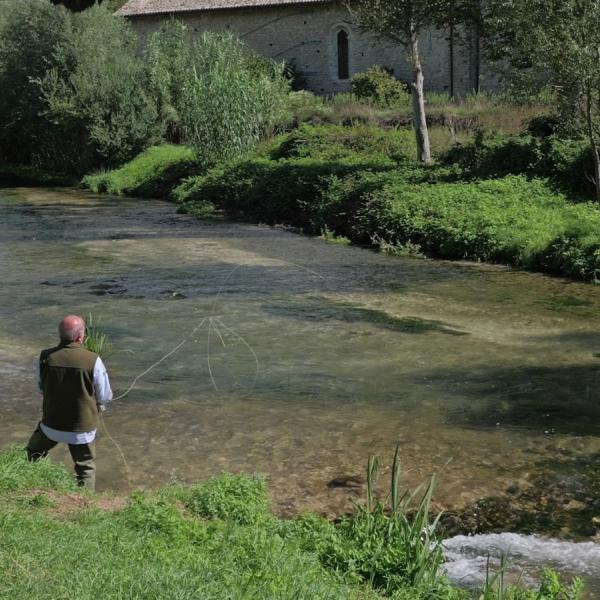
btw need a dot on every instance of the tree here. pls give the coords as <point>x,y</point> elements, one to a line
<point>402,21</point>
<point>555,43</point>
<point>74,90</point>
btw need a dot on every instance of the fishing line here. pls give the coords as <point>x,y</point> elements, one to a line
<point>116,445</point>
<point>212,321</point>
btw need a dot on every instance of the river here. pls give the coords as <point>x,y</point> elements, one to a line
<point>302,357</point>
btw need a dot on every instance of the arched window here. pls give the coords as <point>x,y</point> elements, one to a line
<point>343,52</point>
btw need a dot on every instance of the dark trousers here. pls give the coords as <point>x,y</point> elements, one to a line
<point>83,455</point>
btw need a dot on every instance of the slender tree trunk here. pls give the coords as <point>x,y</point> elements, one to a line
<point>418,99</point>
<point>596,155</point>
<point>593,142</point>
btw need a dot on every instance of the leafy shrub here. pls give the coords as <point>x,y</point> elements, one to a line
<point>76,89</point>
<point>496,156</point>
<point>295,76</point>
<point>509,220</point>
<point>543,126</point>
<point>237,498</point>
<point>30,32</point>
<point>16,473</point>
<point>569,164</point>
<point>285,191</point>
<point>380,88</point>
<point>151,174</point>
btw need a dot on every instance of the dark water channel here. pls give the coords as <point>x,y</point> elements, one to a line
<point>303,357</point>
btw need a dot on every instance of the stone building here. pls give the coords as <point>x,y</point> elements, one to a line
<point>319,39</point>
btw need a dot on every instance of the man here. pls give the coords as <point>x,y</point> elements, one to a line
<point>76,388</point>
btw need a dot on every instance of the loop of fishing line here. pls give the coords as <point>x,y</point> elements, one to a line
<point>214,322</point>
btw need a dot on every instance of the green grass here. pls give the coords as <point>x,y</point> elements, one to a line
<point>152,174</point>
<point>218,540</point>
<point>17,474</point>
<point>360,184</point>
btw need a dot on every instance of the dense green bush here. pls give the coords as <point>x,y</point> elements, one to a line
<point>152,174</point>
<point>74,90</point>
<point>380,88</point>
<point>335,142</point>
<point>568,163</point>
<point>29,34</point>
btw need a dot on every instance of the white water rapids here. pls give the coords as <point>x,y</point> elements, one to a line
<point>467,558</point>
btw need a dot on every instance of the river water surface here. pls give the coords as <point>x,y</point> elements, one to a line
<point>301,358</point>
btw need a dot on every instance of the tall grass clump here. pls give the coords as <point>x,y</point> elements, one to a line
<point>391,543</point>
<point>215,91</point>
<point>95,339</point>
<point>551,587</point>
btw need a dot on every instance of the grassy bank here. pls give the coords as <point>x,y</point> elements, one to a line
<point>216,540</point>
<point>499,201</point>
<point>152,174</point>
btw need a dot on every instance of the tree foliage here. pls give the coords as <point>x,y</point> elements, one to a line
<point>74,91</point>
<point>556,43</point>
<point>78,95</point>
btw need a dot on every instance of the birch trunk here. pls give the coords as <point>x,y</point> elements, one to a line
<point>418,99</point>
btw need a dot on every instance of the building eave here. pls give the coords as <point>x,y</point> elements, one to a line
<point>140,8</point>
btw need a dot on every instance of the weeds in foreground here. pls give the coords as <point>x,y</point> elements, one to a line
<point>208,537</point>
<point>551,587</point>
<point>391,543</point>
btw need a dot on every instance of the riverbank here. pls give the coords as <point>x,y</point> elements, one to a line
<point>360,185</point>
<point>217,539</point>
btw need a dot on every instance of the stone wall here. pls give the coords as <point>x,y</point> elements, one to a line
<point>306,35</point>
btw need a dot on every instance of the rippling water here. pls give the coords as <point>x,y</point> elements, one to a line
<point>307,356</point>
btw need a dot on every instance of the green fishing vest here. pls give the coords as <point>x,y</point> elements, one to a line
<point>67,378</point>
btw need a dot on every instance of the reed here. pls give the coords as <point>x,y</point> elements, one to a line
<point>95,338</point>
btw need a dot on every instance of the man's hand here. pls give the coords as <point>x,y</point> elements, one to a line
<point>101,407</point>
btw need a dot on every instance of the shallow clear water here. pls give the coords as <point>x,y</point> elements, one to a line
<point>310,357</point>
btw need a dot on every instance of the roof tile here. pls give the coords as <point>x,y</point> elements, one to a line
<point>153,7</point>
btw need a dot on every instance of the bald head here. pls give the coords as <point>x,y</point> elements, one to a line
<point>71,329</point>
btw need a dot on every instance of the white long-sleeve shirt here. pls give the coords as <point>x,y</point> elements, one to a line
<point>103,394</point>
